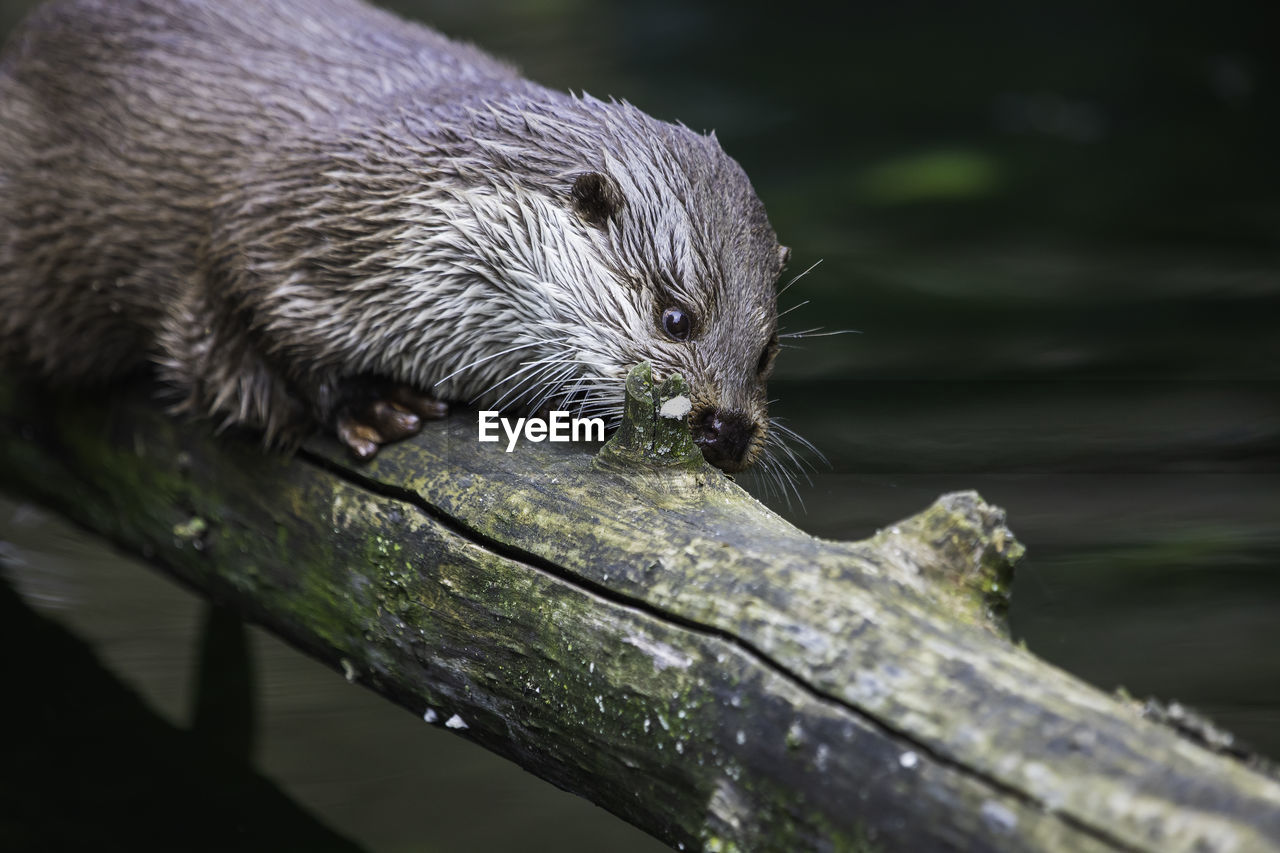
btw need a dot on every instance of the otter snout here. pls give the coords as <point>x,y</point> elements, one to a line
<point>724,437</point>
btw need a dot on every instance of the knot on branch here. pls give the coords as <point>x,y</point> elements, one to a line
<point>655,424</point>
<point>963,550</point>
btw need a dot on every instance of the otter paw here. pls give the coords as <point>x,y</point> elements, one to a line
<point>380,422</point>
<point>422,405</point>
<point>365,428</point>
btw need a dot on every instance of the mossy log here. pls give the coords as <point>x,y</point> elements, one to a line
<point>633,627</point>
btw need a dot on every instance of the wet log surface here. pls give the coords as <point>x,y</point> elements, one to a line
<point>632,626</point>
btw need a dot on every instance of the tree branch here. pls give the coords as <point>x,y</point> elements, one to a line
<point>649,636</point>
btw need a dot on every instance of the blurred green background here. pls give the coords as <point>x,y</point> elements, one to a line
<point>1056,227</point>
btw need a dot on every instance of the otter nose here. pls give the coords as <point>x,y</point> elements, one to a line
<point>723,437</point>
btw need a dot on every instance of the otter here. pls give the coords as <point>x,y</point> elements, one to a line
<point>313,212</point>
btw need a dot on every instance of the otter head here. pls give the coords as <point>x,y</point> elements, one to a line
<point>692,264</point>
<point>571,239</point>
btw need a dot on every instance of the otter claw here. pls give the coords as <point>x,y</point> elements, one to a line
<point>359,438</point>
<point>393,422</point>
<point>398,414</point>
<point>423,405</point>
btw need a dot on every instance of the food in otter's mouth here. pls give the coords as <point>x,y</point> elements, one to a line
<point>312,212</point>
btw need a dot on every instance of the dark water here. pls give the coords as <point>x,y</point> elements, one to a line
<point>1057,228</point>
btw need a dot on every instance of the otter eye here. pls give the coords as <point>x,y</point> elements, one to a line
<point>677,324</point>
<point>766,354</point>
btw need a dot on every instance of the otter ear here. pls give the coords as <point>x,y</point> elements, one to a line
<point>597,198</point>
<point>784,256</point>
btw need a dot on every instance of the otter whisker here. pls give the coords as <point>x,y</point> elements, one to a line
<point>780,466</point>
<point>483,359</point>
<point>764,474</point>
<point>595,397</point>
<point>804,443</point>
<point>782,314</point>
<point>791,464</point>
<point>572,395</point>
<point>788,486</point>
<point>796,278</point>
<point>525,368</point>
<point>787,483</point>
<point>530,384</point>
<point>775,481</point>
<point>788,463</point>
<point>553,387</point>
<point>600,405</point>
<point>598,393</point>
<point>817,332</point>
<point>611,410</point>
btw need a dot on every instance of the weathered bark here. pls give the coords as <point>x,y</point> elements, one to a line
<point>649,636</point>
